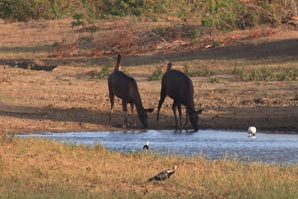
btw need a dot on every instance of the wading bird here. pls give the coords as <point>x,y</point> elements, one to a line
<point>146,146</point>
<point>252,132</point>
<point>164,174</point>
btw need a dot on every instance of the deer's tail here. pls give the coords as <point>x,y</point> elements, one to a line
<point>117,66</point>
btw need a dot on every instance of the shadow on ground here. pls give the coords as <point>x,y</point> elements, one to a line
<point>277,51</point>
<point>270,118</point>
<point>77,115</point>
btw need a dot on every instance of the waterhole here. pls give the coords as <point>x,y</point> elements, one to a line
<point>213,144</point>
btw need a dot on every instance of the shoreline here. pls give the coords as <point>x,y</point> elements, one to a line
<point>226,122</point>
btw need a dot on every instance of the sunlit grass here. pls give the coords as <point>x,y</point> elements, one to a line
<point>34,168</point>
<point>268,74</point>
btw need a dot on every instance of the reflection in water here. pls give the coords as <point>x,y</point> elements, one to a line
<point>210,143</point>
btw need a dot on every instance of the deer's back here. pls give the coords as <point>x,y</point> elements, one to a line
<point>122,85</point>
<point>177,85</point>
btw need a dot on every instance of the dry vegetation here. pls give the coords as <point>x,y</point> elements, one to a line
<point>54,170</point>
<point>245,82</point>
<point>242,78</point>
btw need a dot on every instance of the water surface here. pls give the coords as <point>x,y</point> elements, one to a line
<point>266,147</point>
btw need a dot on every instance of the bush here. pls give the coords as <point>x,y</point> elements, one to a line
<point>263,74</point>
<point>25,10</point>
<point>200,71</point>
<point>125,7</point>
<point>230,14</point>
<point>220,14</point>
<point>156,75</point>
<point>104,73</point>
<point>20,10</point>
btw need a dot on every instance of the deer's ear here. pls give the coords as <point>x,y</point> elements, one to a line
<point>199,111</point>
<point>149,110</point>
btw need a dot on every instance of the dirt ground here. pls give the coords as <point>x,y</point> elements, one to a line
<point>71,98</point>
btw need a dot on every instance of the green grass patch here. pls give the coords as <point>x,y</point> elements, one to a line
<point>199,71</point>
<point>234,14</point>
<point>106,70</point>
<point>267,74</point>
<point>219,14</point>
<point>156,74</point>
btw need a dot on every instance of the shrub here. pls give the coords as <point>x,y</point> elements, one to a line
<point>124,7</point>
<point>290,74</point>
<point>220,14</point>
<point>240,73</point>
<point>201,71</point>
<point>25,10</point>
<point>263,74</point>
<point>186,70</point>
<point>78,20</point>
<point>105,71</point>
<point>214,80</point>
<point>231,14</point>
<point>156,75</point>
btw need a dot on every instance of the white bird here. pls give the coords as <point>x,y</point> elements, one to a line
<point>252,132</point>
<point>146,146</point>
<point>164,174</point>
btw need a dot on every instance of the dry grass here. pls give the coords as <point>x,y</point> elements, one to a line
<point>72,98</point>
<point>34,168</point>
<point>69,98</point>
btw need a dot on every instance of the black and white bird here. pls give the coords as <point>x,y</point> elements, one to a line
<point>252,132</point>
<point>164,174</point>
<point>146,146</point>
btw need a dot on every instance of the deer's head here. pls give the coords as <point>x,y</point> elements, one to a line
<point>143,115</point>
<point>194,117</point>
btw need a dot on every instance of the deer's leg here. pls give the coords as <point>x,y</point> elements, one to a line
<point>132,114</point>
<point>174,108</point>
<point>180,115</point>
<point>112,106</point>
<point>124,107</point>
<point>186,119</point>
<point>161,100</point>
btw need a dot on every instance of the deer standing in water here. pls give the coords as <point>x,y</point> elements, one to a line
<point>125,87</point>
<point>179,87</point>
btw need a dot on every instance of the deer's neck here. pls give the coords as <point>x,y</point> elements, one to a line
<point>190,106</point>
<point>138,103</point>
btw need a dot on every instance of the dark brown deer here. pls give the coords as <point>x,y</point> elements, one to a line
<point>179,87</point>
<point>125,87</point>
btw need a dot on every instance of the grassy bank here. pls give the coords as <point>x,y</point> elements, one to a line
<point>45,169</point>
<point>222,14</point>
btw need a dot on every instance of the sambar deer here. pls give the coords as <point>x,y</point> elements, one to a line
<point>179,87</point>
<point>125,87</point>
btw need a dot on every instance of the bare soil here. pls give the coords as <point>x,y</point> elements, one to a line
<point>72,98</point>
